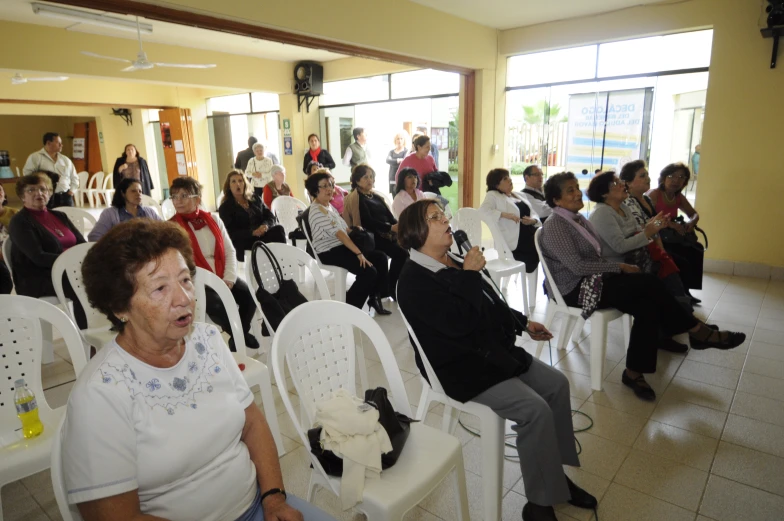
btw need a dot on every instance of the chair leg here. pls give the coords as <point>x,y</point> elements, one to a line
<point>270,413</point>
<point>340,287</point>
<point>533,279</point>
<point>526,301</point>
<point>492,466</point>
<point>627,330</point>
<point>548,321</point>
<point>598,350</point>
<point>450,419</point>
<point>312,486</point>
<point>566,330</point>
<point>577,329</point>
<point>47,356</point>
<point>424,401</point>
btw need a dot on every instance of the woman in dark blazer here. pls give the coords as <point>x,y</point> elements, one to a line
<point>317,154</point>
<point>246,217</point>
<point>131,164</point>
<point>38,236</point>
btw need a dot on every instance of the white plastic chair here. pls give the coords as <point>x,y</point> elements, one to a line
<point>286,209</point>
<point>107,189</point>
<point>255,373</point>
<point>340,274</point>
<point>98,332</point>
<point>492,428</point>
<point>167,207</point>
<point>93,188</point>
<point>79,192</point>
<point>599,321</point>
<point>20,354</point>
<point>47,356</point>
<point>149,201</point>
<point>316,341</point>
<point>470,221</point>
<point>80,218</point>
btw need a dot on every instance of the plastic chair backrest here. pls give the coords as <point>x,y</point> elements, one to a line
<point>306,231</point>
<point>167,209</point>
<point>435,384</point>
<point>149,201</point>
<point>7,254</point>
<point>470,221</point>
<point>219,200</point>
<point>21,345</point>
<point>68,512</point>
<point>499,243</point>
<point>108,182</point>
<point>83,177</point>
<point>70,263</point>
<point>290,258</point>
<point>286,210</point>
<point>205,278</point>
<point>96,178</point>
<point>316,341</point>
<point>556,293</point>
<point>430,195</point>
<point>77,216</point>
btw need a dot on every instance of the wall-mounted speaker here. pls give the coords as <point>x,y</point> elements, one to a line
<point>309,78</point>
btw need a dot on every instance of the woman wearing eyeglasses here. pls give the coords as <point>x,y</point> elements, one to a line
<point>38,236</point>
<point>330,240</point>
<point>213,250</point>
<point>668,198</point>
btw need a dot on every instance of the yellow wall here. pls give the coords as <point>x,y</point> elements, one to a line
<point>737,197</point>
<point>21,135</point>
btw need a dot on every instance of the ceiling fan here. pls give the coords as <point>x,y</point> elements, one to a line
<point>18,79</point>
<point>141,62</point>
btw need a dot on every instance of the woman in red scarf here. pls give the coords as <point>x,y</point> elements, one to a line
<point>214,251</point>
<point>317,154</point>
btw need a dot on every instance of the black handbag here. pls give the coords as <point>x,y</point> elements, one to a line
<point>363,239</point>
<point>397,425</point>
<point>670,236</point>
<point>275,305</point>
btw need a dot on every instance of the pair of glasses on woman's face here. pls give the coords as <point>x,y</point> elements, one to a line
<point>183,197</point>
<point>328,186</point>
<point>679,177</point>
<point>436,216</point>
<point>37,190</point>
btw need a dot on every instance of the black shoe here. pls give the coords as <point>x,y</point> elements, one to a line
<point>639,386</point>
<point>580,498</point>
<point>718,339</point>
<point>375,304</point>
<point>670,345</point>
<point>251,342</point>
<point>695,301</point>
<point>533,512</point>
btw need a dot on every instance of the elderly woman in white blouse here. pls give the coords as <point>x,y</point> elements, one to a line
<point>161,425</point>
<point>406,191</point>
<point>259,170</point>
<point>514,216</point>
<point>213,250</point>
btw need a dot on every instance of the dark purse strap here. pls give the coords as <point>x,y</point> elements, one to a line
<point>259,245</point>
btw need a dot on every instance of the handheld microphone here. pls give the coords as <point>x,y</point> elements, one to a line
<point>461,238</point>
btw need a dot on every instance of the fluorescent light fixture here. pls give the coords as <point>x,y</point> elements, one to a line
<point>85,17</point>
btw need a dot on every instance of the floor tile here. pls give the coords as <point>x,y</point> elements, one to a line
<point>577,362</point>
<point>473,458</point>
<point>624,504</point>
<point>666,441</point>
<point>759,408</point>
<point>764,367</point>
<point>762,386</point>
<point>441,502</point>
<point>619,397</point>
<point>743,320</point>
<point>726,500</point>
<point>729,308</point>
<point>579,385</point>
<point>663,479</point>
<point>754,434</point>
<point>699,393</point>
<point>771,324</point>
<point>690,417</point>
<point>750,467</point>
<point>729,359</point>
<point>709,374</point>
<point>612,424</point>
<point>767,336</point>
<point>766,350</point>
<point>600,456</point>
<point>58,396</point>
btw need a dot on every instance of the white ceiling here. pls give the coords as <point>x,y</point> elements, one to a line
<point>172,34</point>
<point>508,14</point>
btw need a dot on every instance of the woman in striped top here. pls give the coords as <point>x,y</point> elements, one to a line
<point>329,233</point>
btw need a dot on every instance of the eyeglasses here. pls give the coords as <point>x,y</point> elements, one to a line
<point>326,186</point>
<point>616,182</point>
<point>183,197</point>
<point>678,177</point>
<point>437,216</point>
<point>37,190</point>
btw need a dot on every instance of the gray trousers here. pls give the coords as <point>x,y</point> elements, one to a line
<point>538,403</point>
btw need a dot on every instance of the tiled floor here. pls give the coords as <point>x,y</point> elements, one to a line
<point>711,448</point>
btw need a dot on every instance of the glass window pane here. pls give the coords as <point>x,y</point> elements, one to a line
<point>234,104</point>
<point>427,82</point>
<point>578,63</point>
<point>659,53</point>
<point>373,88</point>
<point>264,101</point>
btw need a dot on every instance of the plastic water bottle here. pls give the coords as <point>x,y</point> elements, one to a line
<point>27,410</point>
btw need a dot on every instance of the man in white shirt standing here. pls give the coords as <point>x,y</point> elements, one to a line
<point>51,159</point>
<point>357,152</point>
<point>534,180</point>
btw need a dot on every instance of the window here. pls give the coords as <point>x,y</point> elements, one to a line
<point>425,82</point>
<point>234,104</point>
<point>373,88</point>
<point>578,63</point>
<point>264,102</point>
<point>660,53</point>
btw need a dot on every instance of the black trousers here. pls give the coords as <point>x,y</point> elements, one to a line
<point>399,257</point>
<point>247,308</point>
<point>6,284</point>
<point>526,249</point>
<point>654,309</point>
<point>274,234</point>
<point>61,199</point>
<point>371,280</point>
<point>690,261</point>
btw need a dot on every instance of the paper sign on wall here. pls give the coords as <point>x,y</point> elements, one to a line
<point>78,148</point>
<point>287,146</point>
<point>178,145</point>
<point>182,168</point>
<point>287,127</point>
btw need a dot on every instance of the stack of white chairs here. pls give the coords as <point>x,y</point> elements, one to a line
<point>79,192</point>
<point>255,373</point>
<point>20,353</point>
<point>107,189</point>
<point>94,188</point>
<point>316,342</point>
